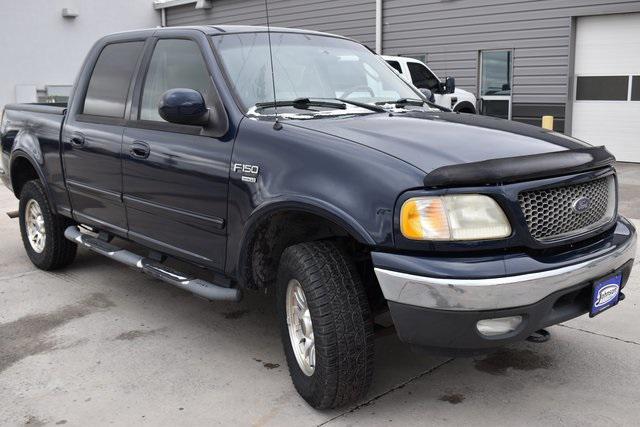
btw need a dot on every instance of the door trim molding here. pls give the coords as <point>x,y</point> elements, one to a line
<point>204,221</point>
<point>93,192</point>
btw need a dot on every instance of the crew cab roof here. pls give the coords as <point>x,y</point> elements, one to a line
<point>223,29</point>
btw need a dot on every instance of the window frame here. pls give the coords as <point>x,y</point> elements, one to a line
<point>133,120</point>
<point>509,97</point>
<point>212,101</point>
<point>80,101</point>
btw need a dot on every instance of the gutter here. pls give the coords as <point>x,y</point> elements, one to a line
<point>379,27</point>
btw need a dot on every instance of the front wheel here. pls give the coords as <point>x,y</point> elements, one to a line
<point>325,323</point>
<point>43,231</point>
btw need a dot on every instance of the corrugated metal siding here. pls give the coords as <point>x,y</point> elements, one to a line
<point>452,32</point>
<point>350,18</point>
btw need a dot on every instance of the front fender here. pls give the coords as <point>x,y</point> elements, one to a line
<point>465,105</point>
<point>351,185</point>
<point>311,205</point>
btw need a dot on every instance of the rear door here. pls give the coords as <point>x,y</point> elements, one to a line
<point>176,192</point>
<point>92,137</point>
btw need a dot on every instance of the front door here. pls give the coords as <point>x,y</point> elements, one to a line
<point>92,139</point>
<point>175,178</point>
<point>495,83</point>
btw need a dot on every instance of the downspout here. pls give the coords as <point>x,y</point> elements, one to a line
<point>379,27</point>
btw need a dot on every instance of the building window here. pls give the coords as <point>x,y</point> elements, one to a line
<point>495,82</point>
<point>602,88</point>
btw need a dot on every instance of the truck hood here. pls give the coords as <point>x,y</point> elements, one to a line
<point>464,93</point>
<point>431,140</point>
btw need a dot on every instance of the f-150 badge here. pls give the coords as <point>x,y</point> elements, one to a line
<point>249,172</point>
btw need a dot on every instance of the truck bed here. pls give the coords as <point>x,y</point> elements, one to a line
<point>33,132</point>
<point>39,107</point>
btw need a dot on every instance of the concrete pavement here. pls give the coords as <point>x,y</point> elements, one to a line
<point>99,344</point>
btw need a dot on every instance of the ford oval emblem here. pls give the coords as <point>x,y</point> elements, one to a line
<point>581,205</point>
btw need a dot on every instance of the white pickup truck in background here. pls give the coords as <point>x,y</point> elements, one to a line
<point>445,94</point>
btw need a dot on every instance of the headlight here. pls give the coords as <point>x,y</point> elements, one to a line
<point>456,217</point>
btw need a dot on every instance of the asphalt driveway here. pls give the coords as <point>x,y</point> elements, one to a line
<point>100,344</point>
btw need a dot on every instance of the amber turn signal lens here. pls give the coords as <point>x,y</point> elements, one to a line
<point>453,217</point>
<point>424,218</point>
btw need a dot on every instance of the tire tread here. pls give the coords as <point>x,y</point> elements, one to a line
<point>59,252</point>
<point>341,322</point>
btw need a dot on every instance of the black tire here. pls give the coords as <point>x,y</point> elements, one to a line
<point>341,320</point>
<point>58,252</point>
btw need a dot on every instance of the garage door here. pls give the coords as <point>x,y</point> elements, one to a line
<point>606,109</point>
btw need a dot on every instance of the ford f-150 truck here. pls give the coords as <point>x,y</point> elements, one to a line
<point>313,169</point>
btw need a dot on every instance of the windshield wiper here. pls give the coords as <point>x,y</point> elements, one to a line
<point>403,101</point>
<point>303,104</point>
<point>371,107</point>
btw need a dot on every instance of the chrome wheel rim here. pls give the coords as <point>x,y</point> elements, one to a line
<point>300,328</point>
<point>34,222</point>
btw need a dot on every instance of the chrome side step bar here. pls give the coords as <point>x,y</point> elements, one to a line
<point>153,268</point>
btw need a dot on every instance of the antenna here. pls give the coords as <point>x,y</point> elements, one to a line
<point>276,125</point>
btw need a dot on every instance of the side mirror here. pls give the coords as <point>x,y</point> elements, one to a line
<point>183,107</point>
<point>428,95</point>
<point>450,85</point>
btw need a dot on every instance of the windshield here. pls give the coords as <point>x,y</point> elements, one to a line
<point>306,66</point>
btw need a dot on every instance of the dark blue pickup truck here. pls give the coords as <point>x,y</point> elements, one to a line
<point>314,170</point>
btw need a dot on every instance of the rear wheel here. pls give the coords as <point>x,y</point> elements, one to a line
<point>326,325</point>
<point>43,231</point>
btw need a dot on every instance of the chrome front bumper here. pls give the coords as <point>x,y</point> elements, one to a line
<point>498,292</point>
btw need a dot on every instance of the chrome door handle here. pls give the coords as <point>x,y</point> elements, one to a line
<point>140,150</point>
<point>77,140</point>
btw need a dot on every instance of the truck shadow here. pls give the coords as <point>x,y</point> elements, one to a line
<point>247,333</point>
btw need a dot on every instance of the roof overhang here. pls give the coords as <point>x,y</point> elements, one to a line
<point>163,4</point>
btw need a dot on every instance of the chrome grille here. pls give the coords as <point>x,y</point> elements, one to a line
<point>550,213</point>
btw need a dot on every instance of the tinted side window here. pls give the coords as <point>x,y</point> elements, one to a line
<point>109,83</point>
<point>395,65</point>
<point>174,64</point>
<point>421,76</point>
